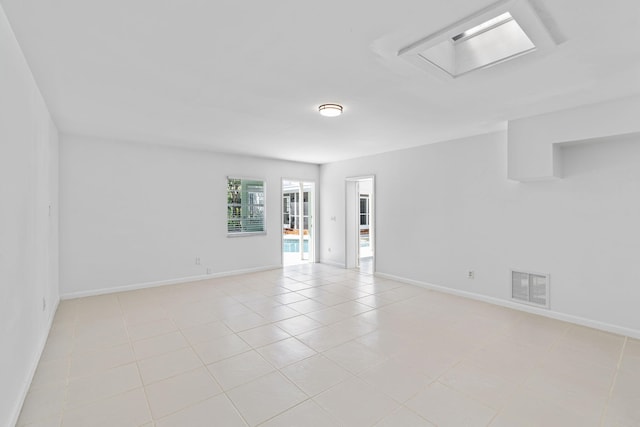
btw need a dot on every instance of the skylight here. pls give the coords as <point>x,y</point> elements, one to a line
<point>491,42</point>
<point>491,36</point>
<point>485,26</point>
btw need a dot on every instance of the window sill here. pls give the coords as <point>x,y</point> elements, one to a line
<point>247,233</point>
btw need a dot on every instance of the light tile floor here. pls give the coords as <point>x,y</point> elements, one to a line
<point>314,345</point>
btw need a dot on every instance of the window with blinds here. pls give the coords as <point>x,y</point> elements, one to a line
<point>245,206</point>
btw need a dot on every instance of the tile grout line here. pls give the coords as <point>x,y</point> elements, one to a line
<point>68,361</point>
<point>130,342</point>
<point>255,349</point>
<point>69,379</point>
<point>65,401</point>
<point>65,385</point>
<point>547,351</point>
<point>190,345</point>
<point>403,406</point>
<point>521,385</point>
<point>605,409</point>
<point>352,375</point>
<point>279,370</point>
<point>223,391</point>
<point>464,358</point>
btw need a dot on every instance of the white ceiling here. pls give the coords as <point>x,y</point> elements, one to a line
<point>247,76</point>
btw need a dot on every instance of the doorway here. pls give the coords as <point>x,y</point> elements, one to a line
<point>298,213</point>
<point>360,215</point>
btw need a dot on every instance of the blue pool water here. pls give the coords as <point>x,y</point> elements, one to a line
<point>291,245</point>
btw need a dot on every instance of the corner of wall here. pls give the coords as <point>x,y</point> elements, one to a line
<point>29,244</point>
<point>534,142</point>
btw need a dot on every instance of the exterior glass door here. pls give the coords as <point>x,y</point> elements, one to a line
<point>297,222</point>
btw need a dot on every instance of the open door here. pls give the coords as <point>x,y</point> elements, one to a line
<point>359,224</point>
<point>298,215</point>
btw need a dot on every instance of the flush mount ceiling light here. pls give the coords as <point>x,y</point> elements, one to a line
<point>330,110</point>
<point>501,32</point>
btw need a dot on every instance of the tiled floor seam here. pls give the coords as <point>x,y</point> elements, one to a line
<point>605,410</point>
<point>545,356</point>
<point>401,402</point>
<point>144,389</point>
<point>236,408</point>
<point>467,358</point>
<point>67,381</point>
<point>294,384</point>
<point>216,381</point>
<point>521,385</point>
<point>412,411</point>
<point>525,378</point>
<point>165,416</point>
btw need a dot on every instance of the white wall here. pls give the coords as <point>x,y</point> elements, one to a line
<point>28,234</point>
<point>135,214</point>
<point>533,148</point>
<point>365,186</point>
<point>444,209</point>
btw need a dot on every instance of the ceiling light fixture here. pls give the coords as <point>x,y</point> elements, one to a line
<point>330,110</point>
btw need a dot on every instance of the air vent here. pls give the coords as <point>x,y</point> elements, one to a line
<point>530,288</point>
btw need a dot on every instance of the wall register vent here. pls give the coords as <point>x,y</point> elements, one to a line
<point>530,288</point>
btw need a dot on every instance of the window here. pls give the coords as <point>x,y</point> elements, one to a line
<point>291,210</point>
<point>286,210</point>
<point>364,209</point>
<point>245,206</point>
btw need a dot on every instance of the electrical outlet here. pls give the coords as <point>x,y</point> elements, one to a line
<point>208,270</point>
<point>471,274</point>
<point>197,260</point>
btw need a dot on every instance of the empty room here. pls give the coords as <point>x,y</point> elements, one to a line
<point>289,213</point>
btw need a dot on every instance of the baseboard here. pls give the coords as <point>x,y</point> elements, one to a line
<point>32,371</point>
<point>332,263</point>
<point>136,286</point>
<point>583,321</point>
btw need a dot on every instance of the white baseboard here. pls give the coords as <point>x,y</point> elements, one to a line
<point>608,327</point>
<point>333,263</point>
<point>32,369</point>
<point>135,286</point>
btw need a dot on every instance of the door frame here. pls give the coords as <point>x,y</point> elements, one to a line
<point>352,220</point>
<point>312,217</point>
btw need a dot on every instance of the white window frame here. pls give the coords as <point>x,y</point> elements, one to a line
<point>239,204</point>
